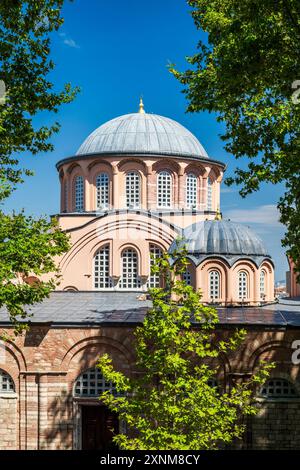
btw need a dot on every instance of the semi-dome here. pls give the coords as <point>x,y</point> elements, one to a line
<point>144,133</point>
<point>221,237</point>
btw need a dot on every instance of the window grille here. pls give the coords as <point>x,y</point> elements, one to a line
<point>154,279</point>
<point>92,384</point>
<point>130,278</point>
<point>187,277</point>
<point>214,285</point>
<point>133,190</point>
<point>262,280</point>
<point>6,383</point>
<point>191,191</point>
<point>278,388</point>
<point>243,285</point>
<point>101,269</point>
<point>164,189</point>
<point>102,191</point>
<point>209,194</point>
<point>79,194</point>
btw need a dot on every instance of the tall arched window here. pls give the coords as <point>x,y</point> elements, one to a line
<point>133,190</point>
<point>102,279</point>
<point>214,285</point>
<point>262,284</point>
<point>209,194</point>
<point>187,277</point>
<point>91,383</point>
<point>243,285</point>
<point>191,191</point>
<point>102,191</point>
<point>79,194</point>
<point>130,276</point>
<point>154,279</point>
<point>164,189</point>
<point>6,383</point>
<point>65,196</point>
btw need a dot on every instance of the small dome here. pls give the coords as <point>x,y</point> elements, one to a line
<point>142,133</point>
<point>221,237</point>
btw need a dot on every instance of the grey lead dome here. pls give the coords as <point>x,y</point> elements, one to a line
<point>142,133</point>
<point>221,237</point>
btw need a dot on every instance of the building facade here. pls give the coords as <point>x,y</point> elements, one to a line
<point>136,185</point>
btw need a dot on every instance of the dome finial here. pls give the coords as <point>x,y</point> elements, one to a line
<point>218,214</point>
<point>141,110</point>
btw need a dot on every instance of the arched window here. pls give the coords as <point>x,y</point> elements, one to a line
<point>243,285</point>
<point>102,191</point>
<point>92,384</point>
<point>164,189</point>
<point>191,191</point>
<point>65,196</point>
<point>278,388</point>
<point>79,194</point>
<point>133,190</point>
<point>262,284</point>
<point>214,285</point>
<point>101,269</point>
<point>154,279</point>
<point>6,383</point>
<point>187,277</point>
<point>209,195</point>
<point>130,277</point>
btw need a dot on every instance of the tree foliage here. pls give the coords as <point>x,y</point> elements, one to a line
<point>25,64</point>
<point>170,403</point>
<point>247,71</point>
<point>28,245</point>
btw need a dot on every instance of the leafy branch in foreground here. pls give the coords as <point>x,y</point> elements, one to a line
<point>171,403</point>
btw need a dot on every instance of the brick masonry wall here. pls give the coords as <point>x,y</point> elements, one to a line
<point>45,362</point>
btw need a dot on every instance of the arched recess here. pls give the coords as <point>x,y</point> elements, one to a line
<point>94,169</point>
<point>204,269</point>
<point>268,268</point>
<point>244,265</point>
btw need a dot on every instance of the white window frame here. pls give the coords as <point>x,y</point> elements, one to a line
<point>7,384</point>
<point>133,189</point>
<point>102,279</point>
<point>209,195</point>
<point>191,191</point>
<point>262,284</point>
<point>102,191</point>
<point>164,189</point>
<point>129,279</point>
<point>154,280</point>
<point>214,281</point>
<point>277,387</point>
<point>243,285</point>
<point>187,276</point>
<point>91,384</point>
<point>79,193</point>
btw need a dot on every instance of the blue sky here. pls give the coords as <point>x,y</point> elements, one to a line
<point>116,51</point>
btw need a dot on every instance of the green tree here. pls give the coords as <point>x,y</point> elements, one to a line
<point>28,245</point>
<point>170,403</point>
<point>246,70</point>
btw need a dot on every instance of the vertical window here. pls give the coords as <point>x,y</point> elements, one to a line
<point>214,285</point>
<point>164,189</point>
<point>187,277</point>
<point>130,278</point>
<point>6,383</point>
<point>133,190</point>
<point>243,285</point>
<point>65,196</point>
<point>79,194</point>
<point>102,191</point>
<point>191,191</point>
<point>209,195</point>
<point>101,269</point>
<point>262,282</point>
<point>154,279</point>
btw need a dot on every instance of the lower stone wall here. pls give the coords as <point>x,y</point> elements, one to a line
<point>8,422</point>
<point>276,426</point>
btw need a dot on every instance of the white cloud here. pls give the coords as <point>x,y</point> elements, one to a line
<point>267,215</point>
<point>71,43</point>
<point>228,190</point>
